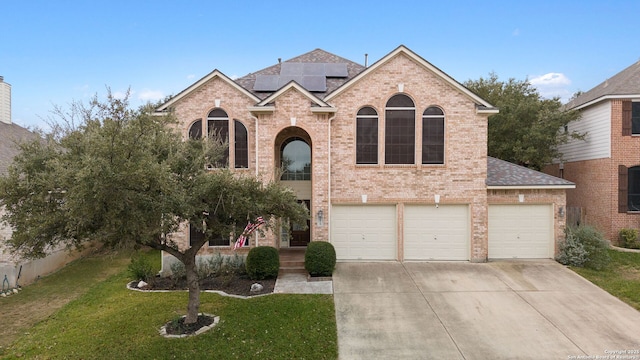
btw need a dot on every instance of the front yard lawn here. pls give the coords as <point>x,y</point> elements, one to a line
<point>112,322</point>
<point>621,278</point>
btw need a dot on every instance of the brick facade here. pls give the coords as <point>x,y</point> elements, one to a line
<point>597,180</point>
<point>336,178</point>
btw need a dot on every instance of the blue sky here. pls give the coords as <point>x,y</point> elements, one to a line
<point>56,52</point>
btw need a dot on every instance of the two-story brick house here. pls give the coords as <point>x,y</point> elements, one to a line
<point>606,165</point>
<point>391,159</point>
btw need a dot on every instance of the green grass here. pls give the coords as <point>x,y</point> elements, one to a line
<point>46,296</point>
<point>621,278</point>
<point>112,322</point>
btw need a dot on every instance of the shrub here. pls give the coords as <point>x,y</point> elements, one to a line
<point>140,268</point>
<point>584,246</point>
<point>629,238</point>
<point>263,262</point>
<point>320,258</point>
<point>178,271</point>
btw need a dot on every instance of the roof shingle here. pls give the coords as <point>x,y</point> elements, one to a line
<point>626,82</point>
<point>504,173</point>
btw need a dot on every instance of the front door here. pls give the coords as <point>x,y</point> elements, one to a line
<point>301,235</point>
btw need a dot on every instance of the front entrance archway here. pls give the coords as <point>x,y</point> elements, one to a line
<point>293,161</point>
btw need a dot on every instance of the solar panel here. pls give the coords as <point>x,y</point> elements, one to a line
<point>317,83</point>
<point>291,68</point>
<point>336,70</point>
<point>310,69</point>
<point>285,79</point>
<point>266,83</point>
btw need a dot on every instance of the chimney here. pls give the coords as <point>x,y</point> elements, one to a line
<point>5,101</point>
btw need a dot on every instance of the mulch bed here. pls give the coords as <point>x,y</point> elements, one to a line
<point>231,284</point>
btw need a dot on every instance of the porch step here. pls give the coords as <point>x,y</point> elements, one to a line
<point>292,261</point>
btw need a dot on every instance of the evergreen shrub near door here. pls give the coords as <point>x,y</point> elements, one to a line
<point>320,258</point>
<point>263,262</point>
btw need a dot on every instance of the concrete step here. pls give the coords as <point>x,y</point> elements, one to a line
<point>289,270</point>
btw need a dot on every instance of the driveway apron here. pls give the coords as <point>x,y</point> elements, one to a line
<point>498,310</point>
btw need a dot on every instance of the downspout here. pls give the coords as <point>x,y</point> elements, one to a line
<point>329,176</point>
<point>256,146</point>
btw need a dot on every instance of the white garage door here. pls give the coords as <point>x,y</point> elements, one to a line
<point>520,231</point>
<point>440,233</point>
<point>364,232</point>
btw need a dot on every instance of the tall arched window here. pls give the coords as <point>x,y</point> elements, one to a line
<point>367,136</point>
<point>433,136</point>
<point>400,130</point>
<point>241,145</point>
<point>218,128</point>
<point>296,159</point>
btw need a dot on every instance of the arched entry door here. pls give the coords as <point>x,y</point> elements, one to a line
<point>295,163</point>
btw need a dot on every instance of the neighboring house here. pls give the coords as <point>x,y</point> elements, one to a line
<point>390,159</point>
<point>12,266</point>
<point>606,165</point>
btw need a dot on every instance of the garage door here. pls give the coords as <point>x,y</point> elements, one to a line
<point>520,231</point>
<point>440,233</point>
<point>364,232</point>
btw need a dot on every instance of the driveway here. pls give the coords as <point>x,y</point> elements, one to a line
<point>497,310</point>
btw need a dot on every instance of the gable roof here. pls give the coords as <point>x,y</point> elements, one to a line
<point>624,84</point>
<point>212,75</point>
<point>299,88</point>
<point>314,56</point>
<point>505,175</point>
<point>10,135</point>
<point>483,105</point>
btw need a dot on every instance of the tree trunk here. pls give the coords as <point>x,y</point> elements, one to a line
<point>194,290</point>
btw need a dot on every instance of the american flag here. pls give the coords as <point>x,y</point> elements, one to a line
<point>251,227</point>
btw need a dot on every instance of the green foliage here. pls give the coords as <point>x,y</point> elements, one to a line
<point>263,262</point>
<point>629,238</point>
<point>584,246</point>
<point>528,129</point>
<point>140,268</point>
<point>320,258</point>
<point>125,178</point>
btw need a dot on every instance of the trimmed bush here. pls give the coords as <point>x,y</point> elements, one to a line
<point>140,268</point>
<point>320,258</point>
<point>629,238</point>
<point>584,246</point>
<point>263,262</point>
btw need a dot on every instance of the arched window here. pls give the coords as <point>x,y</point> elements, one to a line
<point>218,128</point>
<point>295,155</point>
<point>241,145</point>
<point>195,131</point>
<point>433,136</point>
<point>400,130</point>
<point>367,136</point>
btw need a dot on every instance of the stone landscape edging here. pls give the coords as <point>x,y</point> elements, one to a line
<point>219,292</point>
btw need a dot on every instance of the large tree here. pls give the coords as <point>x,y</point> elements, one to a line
<point>529,128</point>
<point>122,177</point>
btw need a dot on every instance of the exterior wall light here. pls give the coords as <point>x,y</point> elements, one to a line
<point>364,199</point>
<point>320,218</point>
<point>521,198</point>
<point>436,197</point>
<point>561,211</point>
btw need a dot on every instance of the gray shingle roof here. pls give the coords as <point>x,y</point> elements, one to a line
<point>315,56</point>
<point>10,135</point>
<point>626,82</point>
<point>504,173</point>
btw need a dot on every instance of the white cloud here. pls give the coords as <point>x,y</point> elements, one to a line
<point>191,77</point>
<point>551,85</point>
<point>119,94</point>
<point>150,95</point>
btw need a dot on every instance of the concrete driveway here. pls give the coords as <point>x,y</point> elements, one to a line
<point>498,310</point>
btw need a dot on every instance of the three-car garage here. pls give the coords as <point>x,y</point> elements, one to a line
<point>428,232</point>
